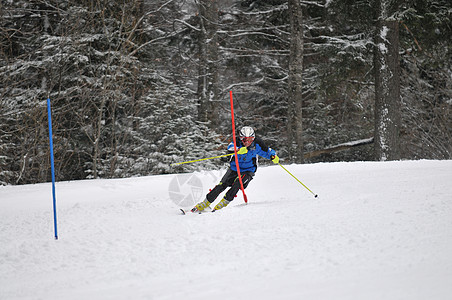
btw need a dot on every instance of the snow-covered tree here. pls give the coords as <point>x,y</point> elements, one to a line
<point>126,78</point>
<point>295,96</point>
<point>387,83</point>
<point>426,88</point>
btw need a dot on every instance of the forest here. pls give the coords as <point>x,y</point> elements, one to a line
<point>138,85</point>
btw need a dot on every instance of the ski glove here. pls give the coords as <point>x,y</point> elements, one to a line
<point>275,159</point>
<point>242,150</point>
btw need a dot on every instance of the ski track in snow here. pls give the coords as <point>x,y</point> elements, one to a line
<point>379,230</point>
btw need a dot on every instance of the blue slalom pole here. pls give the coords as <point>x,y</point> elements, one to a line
<point>49,113</point>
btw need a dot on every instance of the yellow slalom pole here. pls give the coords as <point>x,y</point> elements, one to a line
<point>315,195</point>
<point>192,161</point>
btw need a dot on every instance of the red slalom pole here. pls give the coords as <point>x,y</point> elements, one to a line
<point>235,148</point>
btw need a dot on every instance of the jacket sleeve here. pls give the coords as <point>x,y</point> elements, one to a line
<point>231,145</point>
<point>264,150</point>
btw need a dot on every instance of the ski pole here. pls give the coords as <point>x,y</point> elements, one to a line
<point>315,195</point>
<point>192,161</point>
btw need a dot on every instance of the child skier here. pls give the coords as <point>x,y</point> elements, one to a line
<point>249,147</point>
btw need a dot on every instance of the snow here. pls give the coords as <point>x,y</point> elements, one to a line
<point>354,143</point>
<point>379,230</point>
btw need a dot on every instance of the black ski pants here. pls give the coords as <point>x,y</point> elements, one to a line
<point>230,179</point>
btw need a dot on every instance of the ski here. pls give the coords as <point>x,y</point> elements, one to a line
<point>186,211</point>
<point>195,210</point>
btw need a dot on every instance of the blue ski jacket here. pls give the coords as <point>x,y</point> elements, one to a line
<point>248,161</point>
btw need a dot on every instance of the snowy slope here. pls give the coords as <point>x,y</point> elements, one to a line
<point>377,231</point>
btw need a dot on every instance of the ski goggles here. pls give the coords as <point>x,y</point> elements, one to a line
<point>247,139</point>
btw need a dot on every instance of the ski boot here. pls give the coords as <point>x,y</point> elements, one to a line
<point>221,204</point>
<point>201,206</point>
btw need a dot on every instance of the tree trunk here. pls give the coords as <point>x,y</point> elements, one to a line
<point>208,61</point>
<point>97,136</point>
<point>294,114</point>
<point>387,87</point>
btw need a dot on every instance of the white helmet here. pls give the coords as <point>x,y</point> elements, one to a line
<point>247,132</point>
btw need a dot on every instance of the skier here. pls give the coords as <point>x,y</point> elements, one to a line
<point>249,147</point>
